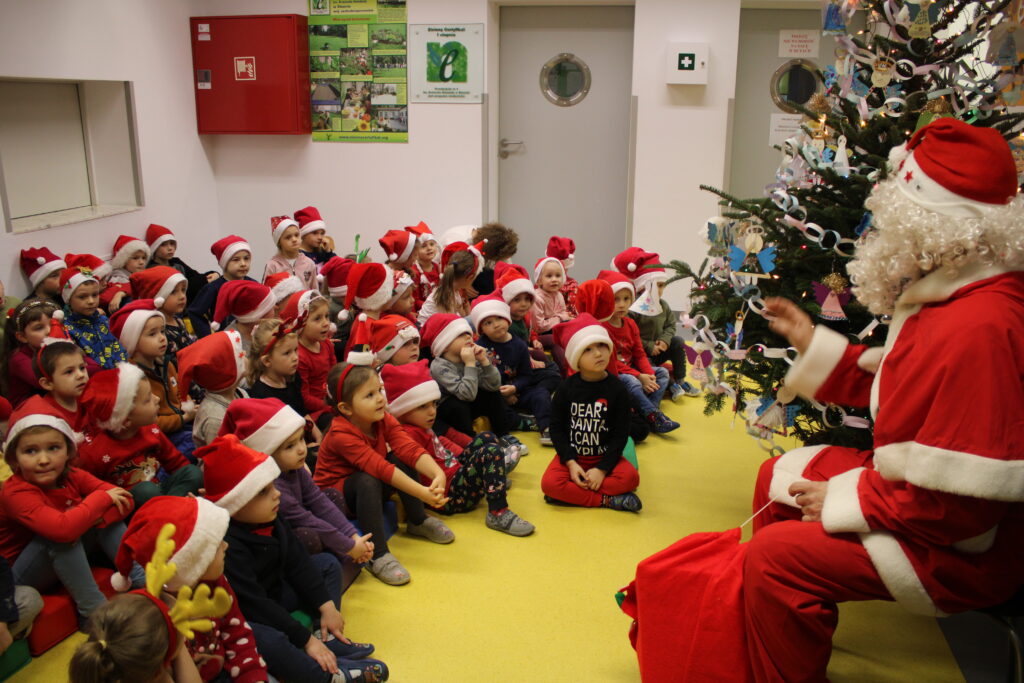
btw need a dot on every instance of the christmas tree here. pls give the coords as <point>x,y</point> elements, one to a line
<point>914,62</point>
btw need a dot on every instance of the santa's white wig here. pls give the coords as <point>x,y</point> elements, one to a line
<point>908,241</point>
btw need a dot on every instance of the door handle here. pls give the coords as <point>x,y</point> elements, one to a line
<point>504,144</point>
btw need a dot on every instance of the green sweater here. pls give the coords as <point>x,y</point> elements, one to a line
<point>656,327</point>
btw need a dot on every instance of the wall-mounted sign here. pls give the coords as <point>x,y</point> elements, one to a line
<point>799,43</point>
<point>446,63</point>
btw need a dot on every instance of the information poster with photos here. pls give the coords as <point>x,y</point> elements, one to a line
<point>358,51</point>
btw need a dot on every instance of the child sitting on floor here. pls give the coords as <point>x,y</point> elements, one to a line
<point>564,249</point>
<point>590,426</point>
<point>394,340</point>
<point>42,270</point>
<point>313,233</point>
<point>549,307</point>
<point>55,513</point>
<point>308,310</point>
<point>473,468</point>
<point>128,449</point>
<point>218,364</point>
<point>167,288</point>
<point>272,574</point>
<point>234,256</point>
<point>84,323</point>
<point>517,291</point>
<point>163,246</point>
<point>289,257</point>
<point>273,369</point>
<point>26,328</point>
<point>62,372</point>
<point>130,256</point>
<point>459,267</point>
<point>498,244</point>
<point>425,272</point>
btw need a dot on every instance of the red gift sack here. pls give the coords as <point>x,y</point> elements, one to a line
<point>687,609</point>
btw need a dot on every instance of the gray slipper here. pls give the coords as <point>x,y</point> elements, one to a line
<point>432,529</point>
<point>388,569</point>
<point>509,523</point>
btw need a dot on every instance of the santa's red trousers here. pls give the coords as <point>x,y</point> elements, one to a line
<point>557,484</point>
<point>795,573</point>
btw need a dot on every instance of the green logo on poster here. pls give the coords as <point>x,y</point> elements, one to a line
<point>448,62</point>
<point>687,61</point>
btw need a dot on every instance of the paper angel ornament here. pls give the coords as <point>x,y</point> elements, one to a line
<point>833,294</point>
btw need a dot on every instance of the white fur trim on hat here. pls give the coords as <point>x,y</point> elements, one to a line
<point>133,327</point>
<point>168,287</point>
<point>338,292</point>
<point>410,244</point>
<point>251,484</point>
<point>622,284</point>
<point>489,309</point>
<point>45,270</point>
<point>415,397</point>
<point>286,287</point>
<point>42,420</point>
<point>515,287</point>
<point>231,250</point>
<point>278,232</point>
<point>915,184</point>
<point>166,237</point>
<point>403,337</point>
<point>581,339</point>
<point>125,252</point>
<point>265,307</point>
<point>447,335</point>
<point>543,262</point>
<point>196,554</point>
<point>360,358</point>
<point>311,226</point>
<point>400,288</point>
<point>129,377</point>
<point>275,431</point>
<point>379,299</point>
<point>238,350</point>
<point>76,281</point>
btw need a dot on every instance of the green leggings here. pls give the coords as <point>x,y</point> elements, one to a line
<point>185,480</point>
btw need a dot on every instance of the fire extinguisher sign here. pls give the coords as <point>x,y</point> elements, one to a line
<point>245,68</point>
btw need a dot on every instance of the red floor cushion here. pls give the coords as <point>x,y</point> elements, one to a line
<point>59,618</point>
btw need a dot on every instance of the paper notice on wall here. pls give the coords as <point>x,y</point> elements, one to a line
<point>783,127</point>
<point>799,43</point>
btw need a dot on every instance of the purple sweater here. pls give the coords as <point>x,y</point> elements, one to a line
<point>305,505</point>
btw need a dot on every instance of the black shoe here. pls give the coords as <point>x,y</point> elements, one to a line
<point>626,502</point>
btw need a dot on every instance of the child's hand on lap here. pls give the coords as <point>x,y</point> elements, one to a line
<point>507,390</point>
<point>595,477</point>
<point>331,622</point>
<point>122,499</point>
<point>576,473</point>
<point>323,656</point>
<point>537,345</point>
<point>648,382</point>
<point>437,484</point>
<point>362,551</point>
<point>431,497</point>
<point>537,364</point>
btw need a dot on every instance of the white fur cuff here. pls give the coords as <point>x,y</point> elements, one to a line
<point>813,366</point>
<point>841,511</point>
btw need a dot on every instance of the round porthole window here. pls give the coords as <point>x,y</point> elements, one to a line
<point>565,79</point>
<point>794,83</point>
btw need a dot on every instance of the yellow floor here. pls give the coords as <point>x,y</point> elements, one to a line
<point>494,608</point>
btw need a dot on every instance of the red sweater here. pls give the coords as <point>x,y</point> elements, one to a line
<point>231,640</point>
<point>345,450</point>
<point>424,282</point>
<point>61,515</point>
<point>313,369</point>
<point>629,349</point>
<point>77,419</point>
<point>128,462</point>
<point>445,450</point>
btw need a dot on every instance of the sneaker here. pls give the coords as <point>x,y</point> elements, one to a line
<point>432,529</point>
<point>545,438</point>
<point>509,523</point>
<point>527,423</point>
<point>510,440</point>
<point>675,391</point>
<point>626,502</point>
<point>351,650</point>
<point>511,458</point>
<point>660,424</point>
<point>388,569</point>
<point>690,390</point>
<point>363,671</point>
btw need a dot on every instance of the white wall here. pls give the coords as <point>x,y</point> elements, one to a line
<point>142,42</point>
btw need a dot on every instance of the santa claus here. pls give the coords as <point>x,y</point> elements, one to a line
<point>931,517</point>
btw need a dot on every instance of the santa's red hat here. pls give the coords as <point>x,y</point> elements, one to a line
<point>955,169</point>
<point>401,284</point>
<point>398,245</point>
<point>199,528</point>
<point>246,300</point>
<point>389,334</point>
<point>297,305</point>
<point>476,250</point>
<point>422,232</point>
<point>128,322</point>
<point>124,247</point>
<point>617,281</point>
<point>441,330</point>
<point>226,247</point>
<point>100,268</point>
<point>33,415</point>
<point>577,334</point>
<point>408,386</point>
<point>635,263</point>
<point>543,261</point>
<point>278,225</point>
<point>369,286</point>
<point>215,362</point>
<point>511,280</point>
<point>361,349</point>
<point>263,424</point>
<point>488,307</point>
<point>597,298</point>
<point>155,283</point>
<point>283,285</point>
<point>309,220</point>
<point>5,410</point>
<point>57,334</point>
<point>233,473</point>
<point>335,276</point>
<point>563,249</point>
<point>110,394</point>
<point>157,235</point>
<point>73,277</point>
<point>39,264</point>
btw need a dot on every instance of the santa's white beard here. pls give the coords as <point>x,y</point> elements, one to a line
<point>909,241</point>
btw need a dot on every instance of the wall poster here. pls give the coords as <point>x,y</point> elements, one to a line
<point>358,68</point>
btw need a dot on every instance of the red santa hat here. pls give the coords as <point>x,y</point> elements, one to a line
<point>543,261</point>
<point>476,250</point>
<point>309,220</point>
<point>100,268</point>
<point>157,235</point>
<point>199,528</point>
<point>110,395</point>
<point>246,300</point>
<point>34,415</point>
<point>488,307</point>
<point>5,410</point>
<point>124,247</point>
<point>263,424</point>
<point>155,283</point>
<point>39,264</point>
<point>635,263</point>
<point>226,247</point>
<point>233,473</point>
<point>359,355</point>
<point>73,277</point>
<point>335,275</point>
<point>128,322</point>
<point>278,224</point>
<point>398,245</point>
<point>422,232</point>
<point>577,334</point>
<point>297,305</point>
<point>369,286</point>
<point>955,169</point>
<point>215,362</point>
<point>597,298</point>
<point>283,285</point>
<point>441,330</point>
<point>511,280</point>
<point>408,386</point>
<point>389,334</point>
<point>402,282</point>
<point>563,249</point>
<point>56,335</point>
<point>617,281</point>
